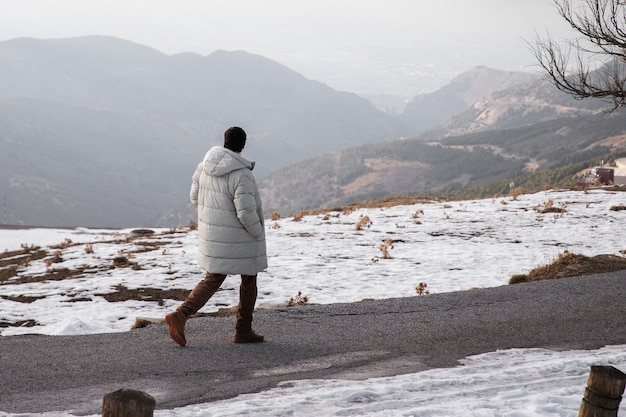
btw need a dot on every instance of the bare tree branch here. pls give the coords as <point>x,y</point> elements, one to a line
<point>602,28</point>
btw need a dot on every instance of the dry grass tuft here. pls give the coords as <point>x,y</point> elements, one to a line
<point>274,215</point>
<point>549,207</point>
<point>63,245</point>
<point>299,299</point>
<point>421,289</point>
<point>386,202</point>
<point>298,216</point>
<point>516,192</point>
<point>385,247</point>
<point>364,222</point>
<point>570,264</point>
<point>417,214</point>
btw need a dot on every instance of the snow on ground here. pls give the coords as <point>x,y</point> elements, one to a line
<point>450,246</point>
<point>515,383</point>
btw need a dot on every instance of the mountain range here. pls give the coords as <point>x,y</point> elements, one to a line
<point>486,125</point>
<point>405,167</point>
<point>102,132</point>
<point>99,131</point>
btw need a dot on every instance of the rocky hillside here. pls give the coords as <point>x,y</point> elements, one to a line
<point>427,111</point>
<point>518,123</point>
<point>527,103</point>
<point>411,166</point>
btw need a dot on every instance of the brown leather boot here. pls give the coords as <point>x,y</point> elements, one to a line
<point>247,299</point>
<point>248,337</point>
<point>176,326</point>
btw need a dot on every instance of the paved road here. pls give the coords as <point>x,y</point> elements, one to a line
<point>357,340</point>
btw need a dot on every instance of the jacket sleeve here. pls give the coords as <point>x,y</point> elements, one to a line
<point>195,185</point>
<point>248,204</point>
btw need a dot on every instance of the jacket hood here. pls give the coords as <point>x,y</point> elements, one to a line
<point>219,161</point>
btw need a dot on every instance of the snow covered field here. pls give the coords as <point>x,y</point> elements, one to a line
<point>448,245</point>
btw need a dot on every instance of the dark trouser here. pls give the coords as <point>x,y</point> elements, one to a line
<point>205,289</point>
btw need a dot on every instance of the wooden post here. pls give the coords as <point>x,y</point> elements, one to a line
<point>128,403</point>
<point>605,387</point>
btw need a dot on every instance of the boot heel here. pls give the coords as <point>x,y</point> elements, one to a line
<point>248,337</point>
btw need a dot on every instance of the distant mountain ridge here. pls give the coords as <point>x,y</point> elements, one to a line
<point>518,123</point>
<point>427,111</point>
<point>532,101</point>
<point>102,132</point>
<point>144,119</point>
<point>205,94</point>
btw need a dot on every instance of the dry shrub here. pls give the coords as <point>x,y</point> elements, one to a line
<point>299,299</point>
<point>63,245</point>
<point>569,264</point>
<point>28,248</point>
<point>193,225</point>
<point>516,192</point>
<point>274,215</point>
<point>548,207</point>
<point>299,215</point>
<point>364,221</point>
<point>517,278</point>
<point>416,216</point>
<point>385,247</point>
<point>421,289</point>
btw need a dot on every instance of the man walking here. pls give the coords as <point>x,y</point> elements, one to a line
<point>231,234</point>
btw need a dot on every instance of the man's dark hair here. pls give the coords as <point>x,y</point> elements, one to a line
<point>235,139</point>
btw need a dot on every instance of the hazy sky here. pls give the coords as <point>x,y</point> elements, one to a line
<point>365,46</point>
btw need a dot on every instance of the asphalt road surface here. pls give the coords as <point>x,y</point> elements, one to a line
<point>347,341</point>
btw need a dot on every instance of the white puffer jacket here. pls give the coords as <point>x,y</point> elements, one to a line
<point>230,215</point>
